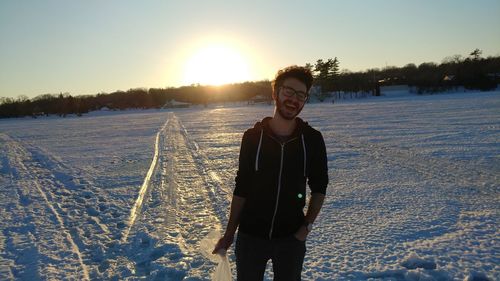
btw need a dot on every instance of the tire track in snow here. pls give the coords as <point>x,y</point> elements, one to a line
<point>176,212</point>
<point>145,186</point>
<point>83,206</point>
<point>17,156</point>
<point>220,196</point>
<point>187,168</point>
<point>74,247</point>
<point>67,176</point>
<point>178,205</point>
<point>191,212</point>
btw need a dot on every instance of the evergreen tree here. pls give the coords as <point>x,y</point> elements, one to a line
<point>476,54</point>
<point>325,74</point>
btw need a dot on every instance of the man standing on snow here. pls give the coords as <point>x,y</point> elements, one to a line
<point>278,155</point>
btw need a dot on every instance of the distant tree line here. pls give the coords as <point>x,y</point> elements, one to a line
<point>471,72</point>
<point>63,104</point>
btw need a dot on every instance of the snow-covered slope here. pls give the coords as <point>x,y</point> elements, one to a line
<point>413,195</point>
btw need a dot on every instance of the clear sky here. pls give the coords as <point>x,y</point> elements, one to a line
<point>92,46</point>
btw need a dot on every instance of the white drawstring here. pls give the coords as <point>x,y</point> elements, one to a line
<point>305,154</point>
<point>258,151</point>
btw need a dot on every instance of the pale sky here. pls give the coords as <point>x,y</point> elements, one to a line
<point>92,46</point>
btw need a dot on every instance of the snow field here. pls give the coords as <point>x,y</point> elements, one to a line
<point>413,193</point>
<point>77,193</point>
<point>399,178</point>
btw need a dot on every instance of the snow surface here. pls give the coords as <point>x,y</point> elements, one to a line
<point>129,195</point>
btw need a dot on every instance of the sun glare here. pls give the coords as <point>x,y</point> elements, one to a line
<point>216,65</point>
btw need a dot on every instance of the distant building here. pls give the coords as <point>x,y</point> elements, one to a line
<point>259,99</point>
<point>449,78</point>
<point>176,104</point>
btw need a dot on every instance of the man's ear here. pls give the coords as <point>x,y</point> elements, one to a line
<point>275,94</point>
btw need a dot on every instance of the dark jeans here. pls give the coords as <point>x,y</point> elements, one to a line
<point>252,254</point>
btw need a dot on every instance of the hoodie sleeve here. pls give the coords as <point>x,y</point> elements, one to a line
<point>318,175</point>
<point>245,172</point>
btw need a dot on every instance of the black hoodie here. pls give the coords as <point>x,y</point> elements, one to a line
<point>272,178</point>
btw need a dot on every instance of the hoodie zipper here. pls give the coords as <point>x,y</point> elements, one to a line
<point>279,184</point>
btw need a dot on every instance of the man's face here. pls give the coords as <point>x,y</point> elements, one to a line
<point>289,107</point>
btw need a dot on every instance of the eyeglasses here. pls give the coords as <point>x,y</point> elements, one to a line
<point>290,92</point>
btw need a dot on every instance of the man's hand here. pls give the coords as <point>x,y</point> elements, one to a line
<point>224,243</point>
<point>301,234</point>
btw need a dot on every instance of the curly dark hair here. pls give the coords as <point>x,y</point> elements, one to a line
<point>300,73</point>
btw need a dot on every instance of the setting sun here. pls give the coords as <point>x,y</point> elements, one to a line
<point>216,65</point>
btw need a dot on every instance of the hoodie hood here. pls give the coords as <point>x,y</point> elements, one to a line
<point>298,131</point>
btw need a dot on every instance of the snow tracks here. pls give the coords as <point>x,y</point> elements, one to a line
<point>174,211</point>
<point>57,224</point>
<point>37,234</point>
